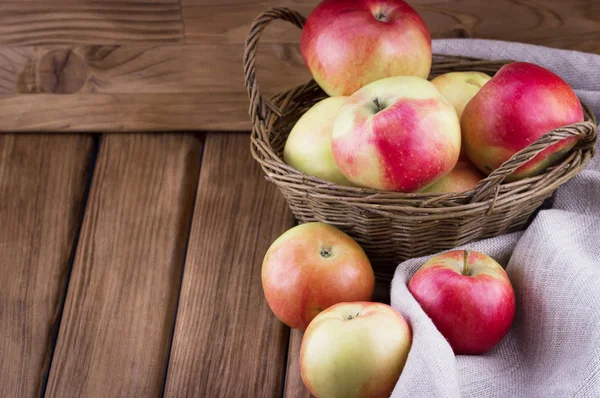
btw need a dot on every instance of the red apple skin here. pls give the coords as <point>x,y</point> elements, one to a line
<point>299,282</point>
<point>463,177</point>
<point>473,311</point>
<point>346,47</point>
<point>355,350</point>
<point>405,144</point>
<point>521,103</point>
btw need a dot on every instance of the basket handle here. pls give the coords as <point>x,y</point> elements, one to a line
<point>257,101</point>
<point>489,186</point>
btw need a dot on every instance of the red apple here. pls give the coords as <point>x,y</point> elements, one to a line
<point>521,103</point>
<point>312,267</point>
<point>396,134</point>
<point>355,350</point>
<point>469,298</point>
<point>463,177</point>
<point>347,44</point>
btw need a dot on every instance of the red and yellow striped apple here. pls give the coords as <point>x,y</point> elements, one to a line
<point>469,298</point>
<point>396,134</point>
<point>347,44</point>
<point>308,147</point>
<point>463,177</point>
<point>312,267</point>
<point>355,350</point>
<point>521,103</point>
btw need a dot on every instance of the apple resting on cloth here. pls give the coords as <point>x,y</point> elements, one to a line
<point>347,44</point>
<point>308,147</point>
<point>396,134</point>
<point>520,104</point>
<point>312,267</point>
<point>463,177</point>
<point>469,298</point>
<point>355,350</point>
<point>458,88</point>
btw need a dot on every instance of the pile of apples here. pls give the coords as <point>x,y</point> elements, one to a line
<point>319,280</point>
<point>386,127</point>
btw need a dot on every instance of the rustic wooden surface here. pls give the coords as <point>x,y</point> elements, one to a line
<point>226,342</point>
<point>115,332</point>
<point>143,65</point>
<point>131,263</point>
<point>42,187</point>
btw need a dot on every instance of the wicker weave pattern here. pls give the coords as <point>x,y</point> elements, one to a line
<point>392,226</point>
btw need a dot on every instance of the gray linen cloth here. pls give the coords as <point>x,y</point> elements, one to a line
<point>553,347</point>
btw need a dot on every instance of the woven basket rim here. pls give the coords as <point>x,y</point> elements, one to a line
<point>488,194</point>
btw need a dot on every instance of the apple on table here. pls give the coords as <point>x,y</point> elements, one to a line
<point>468,297</point>
<point>312,267</point>
<point>355,350</point>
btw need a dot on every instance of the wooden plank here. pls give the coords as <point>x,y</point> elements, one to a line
<point>135,88</point>
<point>116,328</point>
<point>93,22</point>
<point>53,113</point>
<point>294,386</point>
<point>138,67</point>
<point>227,343</point>
<point>42,187</point>
<point>555,23</point>
<point>142,69</point>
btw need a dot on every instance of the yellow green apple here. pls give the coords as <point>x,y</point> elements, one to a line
<point>355,350</point>
<point>308,147</point>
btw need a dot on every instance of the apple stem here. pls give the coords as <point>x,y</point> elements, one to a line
<point>377,104</point>
<point>466,270</point>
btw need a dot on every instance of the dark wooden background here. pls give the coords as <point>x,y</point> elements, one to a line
<point>123,65</point>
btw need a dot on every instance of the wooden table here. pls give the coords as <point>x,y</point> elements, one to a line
<point>130,263</point>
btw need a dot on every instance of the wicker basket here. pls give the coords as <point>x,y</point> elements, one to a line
<point>392,226</point>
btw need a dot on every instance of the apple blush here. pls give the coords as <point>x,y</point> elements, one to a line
<point>312,267</point>
<point>469,298</point>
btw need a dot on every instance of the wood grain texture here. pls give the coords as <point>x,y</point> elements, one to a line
<point>227,343</point>
<point>42,186</point>
<point>294,386</point>
<point>138,52</point>
<point>555,23</point>
<point>134,88</point>
<point>116,328</point>
<point>94,22</point>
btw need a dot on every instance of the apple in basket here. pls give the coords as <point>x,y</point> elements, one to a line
<point>355,350</point>
<point>308,147</point>
<point>312,267</point>
<point>463,177</point>
<point>396,134</point>
<point>459,88</point>
<point>347,44</point>
<point>469,298</point>
<point>521,103</point>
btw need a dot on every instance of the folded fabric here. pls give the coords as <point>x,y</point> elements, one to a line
<point>553,347</point>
